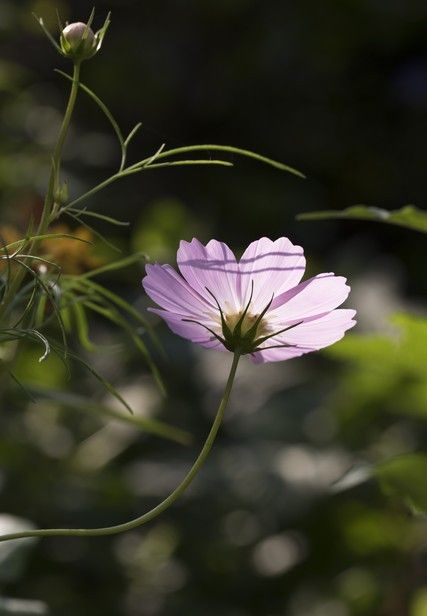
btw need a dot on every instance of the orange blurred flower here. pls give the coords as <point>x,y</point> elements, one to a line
<point>74,256</point>
<point>8,235</point>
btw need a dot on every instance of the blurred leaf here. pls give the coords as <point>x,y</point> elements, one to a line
<point>50,373</point>
<point>408,216</point>
<point>405,477</point>
<point>29,371</point>
<point>356,475</point>
<point>80,403</point>
<point>412,342</point>
<point>162,225</point>
<point>387,371</point>
<point>419,602</point>
<point>371,531</point>
<point>372,348</point>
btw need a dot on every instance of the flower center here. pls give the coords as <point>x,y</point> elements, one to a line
<point>241,330</point>
<point>244,332</point>
<point>247,323</point>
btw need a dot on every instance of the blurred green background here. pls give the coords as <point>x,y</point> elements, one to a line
<point>311,502</point>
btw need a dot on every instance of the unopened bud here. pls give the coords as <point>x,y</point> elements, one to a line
<point>78,41</point>
<point>61,195</point>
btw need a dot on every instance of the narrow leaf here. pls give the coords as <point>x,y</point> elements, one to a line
<point>109,219</point>
<point>186,163</point>
<point>82,326</point>
<point>116,265</point>
<point>408,216</point>
<point>76,402</point>
<point>405,477</point>
<point>231,150</point>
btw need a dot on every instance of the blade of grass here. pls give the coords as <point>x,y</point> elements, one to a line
<point>82,326</point>
<point>87,284</point>
<point>116,265</point>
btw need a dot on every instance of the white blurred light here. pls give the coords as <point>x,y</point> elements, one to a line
<point>316,469</point>
<point>278,553</point>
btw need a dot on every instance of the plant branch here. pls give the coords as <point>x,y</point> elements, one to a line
<point>165,504</point>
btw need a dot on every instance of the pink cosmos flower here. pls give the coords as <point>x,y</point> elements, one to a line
<point>255,306</point>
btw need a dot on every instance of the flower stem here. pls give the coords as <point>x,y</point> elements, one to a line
<point>165,504</point>
<point>56,157</point>
<point>49,203</point>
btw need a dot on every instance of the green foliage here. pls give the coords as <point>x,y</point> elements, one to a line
<point>408,216</point>
<point>388,371</point>
<point>161,226</point>
<point>71,298</point>
<point>30,371</point>
<point>405,477</point>
<point>361,552</point>
<point>368,530</point>
<point>387,376</point>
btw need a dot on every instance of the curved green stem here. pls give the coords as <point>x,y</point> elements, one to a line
<point>146,163</point>
<point>165,504</point>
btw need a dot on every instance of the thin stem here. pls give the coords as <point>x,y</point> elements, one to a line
<point>146,163</point>
<point>94,190</point>
<point>165,504</point>
<point>224,148</point>
<point>49,203</point>
<point>57,153</point>
<point>122,173</point>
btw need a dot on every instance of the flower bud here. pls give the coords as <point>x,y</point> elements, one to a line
<point>78,41</point>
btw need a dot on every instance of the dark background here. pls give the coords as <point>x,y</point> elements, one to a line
<point>335,89</point>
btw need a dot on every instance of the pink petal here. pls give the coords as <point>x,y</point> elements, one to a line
<point>191,331</point>
<point>310,336</point>
<point>170,291</point>
<point>212,267</point>
<point>321,332</point>
<point>280,354</point>
<point>273,266</point>
<point>311,298</point>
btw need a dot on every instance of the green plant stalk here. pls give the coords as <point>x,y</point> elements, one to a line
<point>49,203</point>
<point>165,504</point>
<point>57,153</point>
